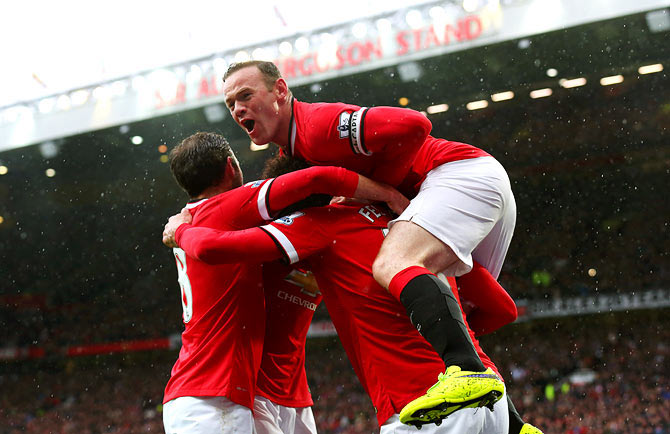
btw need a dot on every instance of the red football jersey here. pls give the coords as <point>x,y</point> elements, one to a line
<point>387,144</point>
<point>223,309</point>
<point>223,305</point>
<point>288,313</point>
<point>393,361</point>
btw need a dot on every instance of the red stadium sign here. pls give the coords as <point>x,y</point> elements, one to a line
<point>349,55</point>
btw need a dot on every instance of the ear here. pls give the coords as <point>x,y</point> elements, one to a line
<point>281,90</point>
<point>230,166</point>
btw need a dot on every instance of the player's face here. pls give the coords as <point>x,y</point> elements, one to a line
<point>252,105</point>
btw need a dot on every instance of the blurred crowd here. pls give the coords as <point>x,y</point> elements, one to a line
<point>601,374</point>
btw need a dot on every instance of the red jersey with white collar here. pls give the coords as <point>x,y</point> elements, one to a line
<point>223,305</point>
<point>289,308</point>
<point>224,317</point>
<point>387,144</point>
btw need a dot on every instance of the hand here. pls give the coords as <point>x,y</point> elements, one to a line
<point>338,199</point>
<point>377,191</point>
<point>173,223</point>
<point>398,202</point>
<point>342,199</point>
<point>306,281</point>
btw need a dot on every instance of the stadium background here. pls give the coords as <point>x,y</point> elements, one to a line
<point>89,302</point>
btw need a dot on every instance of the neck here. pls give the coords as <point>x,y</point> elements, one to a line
<point>222,187</point>
<point>285,114</point>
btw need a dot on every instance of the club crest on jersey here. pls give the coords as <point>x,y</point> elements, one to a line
<point>254,184</point>
<point>343,126</point>
<point>288,220</point>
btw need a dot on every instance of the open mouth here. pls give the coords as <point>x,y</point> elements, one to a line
<point>249,125</point>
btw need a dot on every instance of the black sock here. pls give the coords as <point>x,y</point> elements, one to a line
<point>436,314</point>
<point>515,421</point>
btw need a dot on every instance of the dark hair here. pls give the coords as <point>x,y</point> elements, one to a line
<point>280,165</point>
<point>269,71</point>
<point>199,162</point>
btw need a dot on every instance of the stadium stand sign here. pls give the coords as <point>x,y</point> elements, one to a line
<point>653,299</point>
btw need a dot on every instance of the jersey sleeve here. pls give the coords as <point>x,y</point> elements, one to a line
<point>391,136</point>
<point>214,246</point>
<point>395,131</point>
<point>494,307</point>
<point>395,136</point>
<point>300,234</point>
<point>259,201</point>
<point>292,187</point>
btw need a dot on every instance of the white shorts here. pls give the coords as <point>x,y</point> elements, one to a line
<point>469,206</point>
<point>206,415</point>
<point>271,418</point>
<point>466,421</point>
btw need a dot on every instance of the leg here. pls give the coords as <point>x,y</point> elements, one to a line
<point>408,244</point>
<point>458,206</point>
<point>266,416</point>
<point>430,303</point>
<point>305,423</point>
<point>515,421</point>
<point>205,415</point>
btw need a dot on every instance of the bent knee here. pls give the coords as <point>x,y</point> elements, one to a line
<point>383,270</point>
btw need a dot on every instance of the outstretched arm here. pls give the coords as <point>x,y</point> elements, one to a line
<point>223,247</point>
<point>292,187</point>
<point>493,307</point>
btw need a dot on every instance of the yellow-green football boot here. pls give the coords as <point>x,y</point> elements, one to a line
<point>529,429</point>
<point>454,390</point>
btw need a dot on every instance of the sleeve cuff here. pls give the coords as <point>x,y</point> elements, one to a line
<point>180,230</point>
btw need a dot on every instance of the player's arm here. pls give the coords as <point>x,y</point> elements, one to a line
<point>292,241</point>
<point>399,131</point>
<point>493,306</point>
<point>396,133</point>
<point>224,247</point>
<point>292,187</point>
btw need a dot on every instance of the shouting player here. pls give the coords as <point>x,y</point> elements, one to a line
<point>462,208</point>
<point>212,384</point>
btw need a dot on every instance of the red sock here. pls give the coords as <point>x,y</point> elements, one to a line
<point>403,277</point>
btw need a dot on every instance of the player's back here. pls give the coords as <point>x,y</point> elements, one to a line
<point>223,314</point>
<point>394,362</point>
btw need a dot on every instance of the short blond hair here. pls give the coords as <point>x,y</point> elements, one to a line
<point>269,71</point>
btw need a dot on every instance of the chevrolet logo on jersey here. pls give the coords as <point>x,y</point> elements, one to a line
<point>343,126</point>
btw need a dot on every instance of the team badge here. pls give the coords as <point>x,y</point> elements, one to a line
<point>288,220</point>
<point>343,126</point>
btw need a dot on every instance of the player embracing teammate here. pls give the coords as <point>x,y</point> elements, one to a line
<point>462,209</point>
